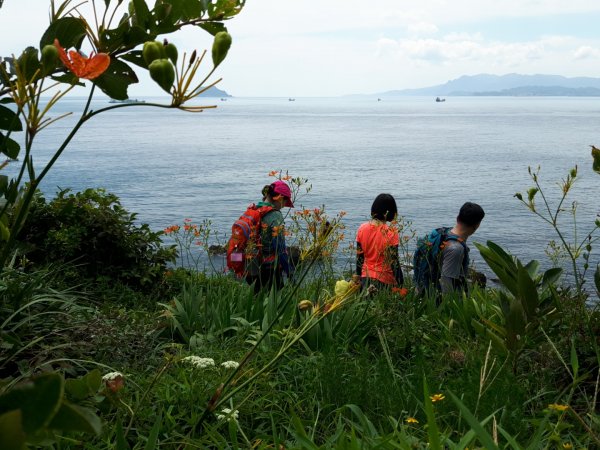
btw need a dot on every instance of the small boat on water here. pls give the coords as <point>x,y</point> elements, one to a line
<point>223,99</point>
<point>127,100</point>
<point>291,99</point>
<point>437,99</point>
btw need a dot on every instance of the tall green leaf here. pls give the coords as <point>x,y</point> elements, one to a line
<point>432,429</point>
<point>69,31</point>
<point>483,436</point>
<point>527,293</point>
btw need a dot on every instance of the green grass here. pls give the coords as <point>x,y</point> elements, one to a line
<point>350,382</point>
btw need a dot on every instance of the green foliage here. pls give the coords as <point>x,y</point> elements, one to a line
<point>93,231</point>
<point>573,248</point>
<point>37,408</point>
<point>529,301</point>
<point>114,34</point>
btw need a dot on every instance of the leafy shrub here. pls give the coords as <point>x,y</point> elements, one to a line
<point>93,230</point>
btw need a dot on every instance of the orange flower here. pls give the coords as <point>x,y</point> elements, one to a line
<point>171,229</point>
<point>82,67</point>
<point>272,173</point>
<point>287,177</point>
<point>402,292</point>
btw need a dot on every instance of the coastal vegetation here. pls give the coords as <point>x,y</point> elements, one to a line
<point>113,338</point>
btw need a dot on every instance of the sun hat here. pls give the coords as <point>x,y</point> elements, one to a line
<point>281,187</point>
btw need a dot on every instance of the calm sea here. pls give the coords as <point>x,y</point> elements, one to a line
<point>169,165</point>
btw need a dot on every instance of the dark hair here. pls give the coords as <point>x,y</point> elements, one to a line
<point>384,208</point>
<point>268,191</point>
<point>470,214</point>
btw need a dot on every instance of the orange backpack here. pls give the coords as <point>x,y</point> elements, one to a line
<point>245,244</point>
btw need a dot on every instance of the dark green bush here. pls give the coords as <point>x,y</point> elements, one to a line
<point>94,232</point>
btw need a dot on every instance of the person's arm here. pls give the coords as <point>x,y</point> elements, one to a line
<point>360,259</point>
<point>392,252</point>
<point>278,247</point>
<point>450,273</point>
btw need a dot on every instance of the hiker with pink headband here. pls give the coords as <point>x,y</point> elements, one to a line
<point>267,270</point>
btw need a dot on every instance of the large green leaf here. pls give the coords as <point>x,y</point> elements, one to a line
<point>142,13</point>
<point>117,78</point>
<point>84,387</point>
<point>69,31</point>
<point>224,9</point>
<point>76,418</point>
<point>9,120</point>
<point>9,147</point>
<point>550,277</point>
<point>527,293</point>
<point>516,322</point>
<point>39,399</point>
<point>501,264</point>
<point>29,63</point>
<point>532,268</point>
<point>135,57</point>
<point>12,436</point>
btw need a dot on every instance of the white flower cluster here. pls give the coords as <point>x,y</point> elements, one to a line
<point>200,363</point>
<point>226,413</point>
<point>230,364</point>
<point>112,376</point>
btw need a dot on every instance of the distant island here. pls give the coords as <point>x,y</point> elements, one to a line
<point>215,92</point>
<point>513,84</point>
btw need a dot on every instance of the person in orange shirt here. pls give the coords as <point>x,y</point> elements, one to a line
<point>377,260</point>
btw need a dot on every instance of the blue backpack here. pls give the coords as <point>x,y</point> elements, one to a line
<point>427,258</point>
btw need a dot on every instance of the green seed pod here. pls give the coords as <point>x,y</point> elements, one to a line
<point>171,52</point>
<point>220,47</point>
<point>49,57</point>
<point>162,71</point>
<point>153,50</point>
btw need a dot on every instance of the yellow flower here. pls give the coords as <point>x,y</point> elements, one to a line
<point>557,407</point>
<point>411,420</point>
<point>567,445</point>
<point>437,397</point>
<point>305,305</point>
<point>341,287</point>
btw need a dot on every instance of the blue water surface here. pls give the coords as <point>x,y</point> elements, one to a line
<point>167,165</point>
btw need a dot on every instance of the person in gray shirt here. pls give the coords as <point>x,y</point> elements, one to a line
<point>455,252</point>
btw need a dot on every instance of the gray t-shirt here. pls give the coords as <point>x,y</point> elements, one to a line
<point>455,264</point>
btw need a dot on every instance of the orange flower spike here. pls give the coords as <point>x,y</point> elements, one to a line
<point>273,173</point>
<point>82,67</point>
<point>287,177</point>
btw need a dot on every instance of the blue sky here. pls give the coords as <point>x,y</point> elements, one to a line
<point>337,47</point>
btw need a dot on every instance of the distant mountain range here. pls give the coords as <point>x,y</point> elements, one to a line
<point>509,85</point>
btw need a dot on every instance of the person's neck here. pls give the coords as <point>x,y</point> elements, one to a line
<point>461,231</point>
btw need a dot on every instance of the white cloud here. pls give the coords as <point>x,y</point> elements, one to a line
<point>454,50</point>
<point>586,52</point>
<point>422,28</point>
